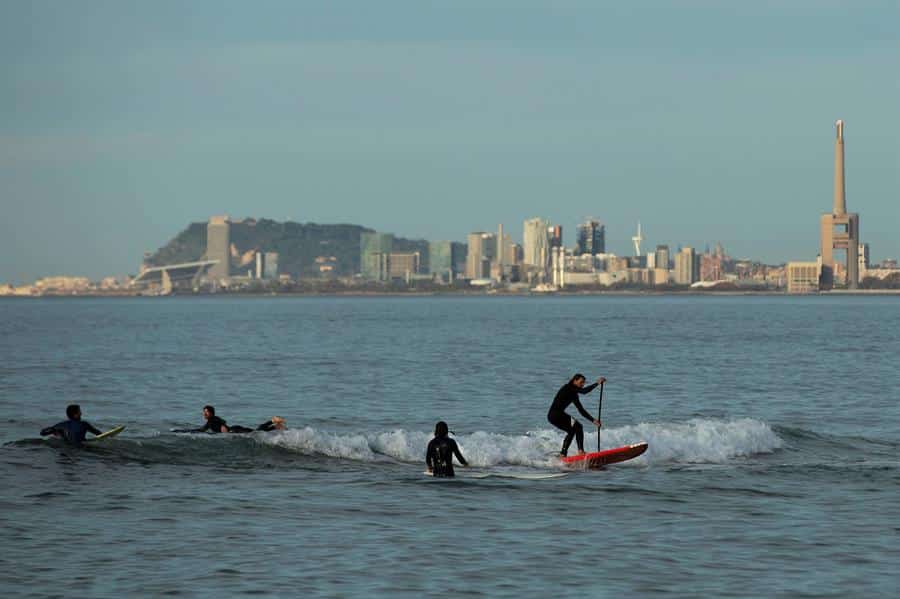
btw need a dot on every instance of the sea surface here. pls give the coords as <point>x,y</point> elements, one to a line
<point>773,466</point>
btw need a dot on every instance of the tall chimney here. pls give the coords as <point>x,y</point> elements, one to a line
<point>840,201</point>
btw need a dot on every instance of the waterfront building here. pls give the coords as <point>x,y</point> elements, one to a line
<point>480,252</point>
<point>375,255</point>
<point>803,277</point>
<point>839,230</point>
<point>537,244</point>
<point>687,267</point>
<point>218,247</point>
<point>662,257</point>
<point>404,265</point>
<point>270,265</point>
<point>591,238</point>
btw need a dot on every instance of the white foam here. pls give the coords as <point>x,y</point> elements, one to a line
<point>695,442</point>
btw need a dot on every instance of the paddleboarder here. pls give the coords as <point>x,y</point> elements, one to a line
<point>568,394</point>
<point>441,449</point>
<point>73,430</point>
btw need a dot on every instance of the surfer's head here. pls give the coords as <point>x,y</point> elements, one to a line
<point>278,423</point>
<point>208,412</point>
<point>578,380</point>
<point>73,411</point>
<point>441,429</point>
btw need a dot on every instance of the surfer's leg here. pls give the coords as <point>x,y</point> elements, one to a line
<point>579,434</point>
<point>563,421</point>
<point>239,429</point>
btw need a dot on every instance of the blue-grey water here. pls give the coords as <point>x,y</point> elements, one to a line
<point>772,470</point>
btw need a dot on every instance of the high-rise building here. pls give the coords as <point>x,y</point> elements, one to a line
<point>839,230</point>
<point>480,253</point>
<point>662,256</point>
<point>591,238</point>
<point>537,243</point>
<point>218,246</point>
<point>375,255</point>
<point>270,266</point>
<point>440,260</point>
<point>687,267</point>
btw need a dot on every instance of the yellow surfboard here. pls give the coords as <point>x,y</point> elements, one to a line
<point>110,433</point>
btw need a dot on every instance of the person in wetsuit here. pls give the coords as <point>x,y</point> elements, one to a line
<point>568,394</point>
<point>441,449</point>
<point>215,424</point>
<point>73,430</point>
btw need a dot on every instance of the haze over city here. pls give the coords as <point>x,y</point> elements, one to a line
<point>122,123</point>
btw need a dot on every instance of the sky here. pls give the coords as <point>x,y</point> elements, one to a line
<point>121,122</point>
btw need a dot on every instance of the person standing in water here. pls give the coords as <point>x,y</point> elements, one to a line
<point>441,449</point>
<point>568,394</point>
<point>73,430</point>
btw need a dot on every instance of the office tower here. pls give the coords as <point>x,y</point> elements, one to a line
<point>270,265</point>
<point>440,260</point>
<point>537,243</point>
<point>259,265</point>
<point>686,267</point>
<point>662,256</point>
<point>375,255</point>
<point>218,246</point>
<point>840,229</point>
<point>591,238</point>
<point>480,252</point>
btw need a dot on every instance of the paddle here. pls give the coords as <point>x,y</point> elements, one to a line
<point>599,410</point>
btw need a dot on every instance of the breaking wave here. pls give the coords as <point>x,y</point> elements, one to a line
<point>693,442</point>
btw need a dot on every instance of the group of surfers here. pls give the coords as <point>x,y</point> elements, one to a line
<point>441,449</point>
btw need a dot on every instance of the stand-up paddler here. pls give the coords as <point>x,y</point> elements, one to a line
<point>568,394</point>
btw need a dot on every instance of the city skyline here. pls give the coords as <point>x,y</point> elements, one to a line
<point>440,123</point>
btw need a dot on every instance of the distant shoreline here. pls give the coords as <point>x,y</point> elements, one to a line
<point>466,293</point>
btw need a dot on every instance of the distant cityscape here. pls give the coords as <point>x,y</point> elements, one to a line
<point>215,261</point>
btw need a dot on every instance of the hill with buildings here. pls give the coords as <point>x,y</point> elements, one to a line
<point>298,245</point>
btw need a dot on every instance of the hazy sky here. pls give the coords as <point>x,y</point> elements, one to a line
<point>121,122</point>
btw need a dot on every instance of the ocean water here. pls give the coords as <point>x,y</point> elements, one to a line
<point>773,466</point>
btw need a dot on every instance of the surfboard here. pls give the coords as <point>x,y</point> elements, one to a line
<point>110,433</point>
<point>598,459</point>
<point>516,475</point>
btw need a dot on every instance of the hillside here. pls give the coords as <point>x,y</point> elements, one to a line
<point>297,244</point>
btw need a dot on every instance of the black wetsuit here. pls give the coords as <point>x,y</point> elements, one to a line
<point>439,456</point>
<point>213,425</point>
<point>568,394</point>
<point>73,431</point>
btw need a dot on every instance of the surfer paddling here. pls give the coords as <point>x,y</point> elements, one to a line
<point>568,394</point>
<point>441,449</point>
<point>216,424</point>
<point>73,430</point>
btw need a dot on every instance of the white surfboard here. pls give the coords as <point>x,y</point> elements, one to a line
<point>516,475</point>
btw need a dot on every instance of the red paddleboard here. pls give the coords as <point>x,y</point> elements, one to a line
<point>598,459</point>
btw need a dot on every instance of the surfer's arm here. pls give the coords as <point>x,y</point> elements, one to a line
<point>51,430</point>
<point>581,409</point>
<point>458,455</point>
<point>586,389</point>
<point>429,456</point>
<point>92,429</point>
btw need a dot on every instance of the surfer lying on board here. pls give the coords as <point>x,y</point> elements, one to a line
<point>568,394</point>
<point>73,430</point>
<point>215,424</point>
<point>441,449</point>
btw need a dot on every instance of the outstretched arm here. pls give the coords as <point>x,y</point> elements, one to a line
<point>458,455</point>
<point>92,429</point>
<point>587,389</point>
<point>51,430</point>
